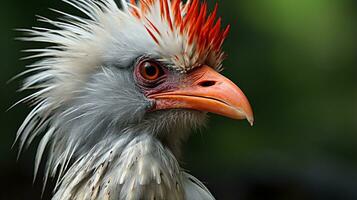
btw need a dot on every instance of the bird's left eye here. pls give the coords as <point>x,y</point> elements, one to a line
<point>150,70</point>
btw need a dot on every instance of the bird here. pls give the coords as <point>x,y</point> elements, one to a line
<point>116,92</point>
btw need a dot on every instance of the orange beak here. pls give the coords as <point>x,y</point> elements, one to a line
<point>206,90</point>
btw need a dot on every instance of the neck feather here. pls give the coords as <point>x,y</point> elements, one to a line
<point>130,166</point>
<point>125,167</point>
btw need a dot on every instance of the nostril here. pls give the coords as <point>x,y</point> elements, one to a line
<point>207,83</point>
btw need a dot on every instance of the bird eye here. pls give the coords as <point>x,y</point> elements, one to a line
<point>150,70</point>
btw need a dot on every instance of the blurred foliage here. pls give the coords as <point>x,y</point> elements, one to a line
<point>296,61</point>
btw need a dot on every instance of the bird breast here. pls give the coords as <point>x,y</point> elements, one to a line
<point>131,168</point>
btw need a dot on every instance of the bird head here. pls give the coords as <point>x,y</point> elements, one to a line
<point>151,65</point>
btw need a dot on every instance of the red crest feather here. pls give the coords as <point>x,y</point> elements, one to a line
<point>191,20</point>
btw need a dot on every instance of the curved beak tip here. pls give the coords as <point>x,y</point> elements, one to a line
<point>248,115</point>
<point>251,121</point>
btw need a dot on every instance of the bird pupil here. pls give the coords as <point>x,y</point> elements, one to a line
<point>150,70</point>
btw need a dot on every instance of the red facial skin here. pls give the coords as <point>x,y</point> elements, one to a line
<point>201,89</point>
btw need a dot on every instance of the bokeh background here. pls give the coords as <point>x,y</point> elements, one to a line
<point>296,60</point>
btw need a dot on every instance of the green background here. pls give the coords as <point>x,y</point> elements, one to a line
<point>295,60</point>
